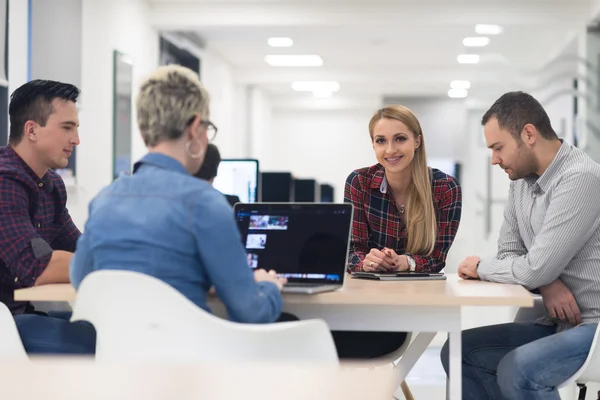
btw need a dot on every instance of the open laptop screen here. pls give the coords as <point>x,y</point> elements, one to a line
<point>303,242</point>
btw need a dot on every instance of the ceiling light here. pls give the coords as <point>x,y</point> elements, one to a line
<point>468,59</point>
<point>476,41</point>
<point>294,60</point>
<point>312,86</point>
<point>321,94</point>
<point>487,29</point>
<point>457,93</point>
<point>460,85</point>
<point>280,42</point>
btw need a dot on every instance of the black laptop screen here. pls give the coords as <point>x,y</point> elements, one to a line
<point>302,242</point>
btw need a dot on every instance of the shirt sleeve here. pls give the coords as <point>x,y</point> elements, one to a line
<point>571,218</point>
<point>449,214</point>
<point>359,239</point>
<point>510,244</point>
<point>22,250</point>
<point>224,258</point>
<point>69,233</point>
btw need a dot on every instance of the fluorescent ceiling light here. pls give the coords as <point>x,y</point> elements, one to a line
<point>321,94</point>
<point>468,59</point>
<point>313,86</point>
<point>460,85</point>
<point>280,42</point>
<point>476,41</point>
<point>487,29</point>
<point>457,93</point>
<point>294,60</point>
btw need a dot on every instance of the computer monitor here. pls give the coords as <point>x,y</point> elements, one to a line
<point>306,190</point>
<point>327,192</point>
<point>277,187</point>
<point>446,165</point>
<point>238,177</point>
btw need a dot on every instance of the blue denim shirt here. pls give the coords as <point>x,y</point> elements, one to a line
<point>168,224</point>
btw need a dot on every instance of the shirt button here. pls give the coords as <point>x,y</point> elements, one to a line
<point>16,280</point>
<point>39,225</point>
<point>40,184</point>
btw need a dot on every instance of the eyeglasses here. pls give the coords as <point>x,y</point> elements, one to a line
<point>211,129</point>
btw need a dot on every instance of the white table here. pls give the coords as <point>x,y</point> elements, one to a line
<point>426,307</point>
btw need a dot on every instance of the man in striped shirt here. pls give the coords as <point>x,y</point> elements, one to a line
<point>549,241</point>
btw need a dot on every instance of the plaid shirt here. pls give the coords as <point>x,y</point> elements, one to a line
<point>34,221</point>
<point>377,223</point>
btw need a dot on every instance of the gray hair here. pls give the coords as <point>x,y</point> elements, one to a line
<point>168,100</point>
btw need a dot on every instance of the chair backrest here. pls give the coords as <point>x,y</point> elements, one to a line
<point>11,345</point>
<point>138,317</point>
<point>590,370</point>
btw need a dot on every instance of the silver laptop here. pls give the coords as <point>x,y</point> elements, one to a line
<point>307,243</point>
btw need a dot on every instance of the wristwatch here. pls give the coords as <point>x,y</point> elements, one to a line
<point>411,263</point>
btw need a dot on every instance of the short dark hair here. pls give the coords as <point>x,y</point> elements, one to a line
<point>210,165</point>
<point>514,110</point>
<point>33,102</point>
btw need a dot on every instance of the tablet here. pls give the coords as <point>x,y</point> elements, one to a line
<point>400,276</point>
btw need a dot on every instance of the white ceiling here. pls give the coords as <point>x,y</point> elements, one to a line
<point>376,47</point>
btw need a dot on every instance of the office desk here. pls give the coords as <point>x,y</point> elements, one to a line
<point>83,379</point>
<point>426,307</point>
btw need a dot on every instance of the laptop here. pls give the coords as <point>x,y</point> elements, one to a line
<point>307,243</point>
<point>401,276</point>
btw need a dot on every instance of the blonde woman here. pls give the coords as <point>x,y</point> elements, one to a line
<point>405,215</point>
<point>166,223</point>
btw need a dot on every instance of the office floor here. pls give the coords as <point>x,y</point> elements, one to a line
<point>427,379</point>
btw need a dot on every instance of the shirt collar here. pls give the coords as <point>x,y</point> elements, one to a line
<point>378,180</point>
<point>160,161</point>
<point>44,182</point>
<point>553,169</point>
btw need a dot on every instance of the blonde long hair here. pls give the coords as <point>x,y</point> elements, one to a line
<point>420,214</point>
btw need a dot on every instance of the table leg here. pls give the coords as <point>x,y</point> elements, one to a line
<point>455,363</point>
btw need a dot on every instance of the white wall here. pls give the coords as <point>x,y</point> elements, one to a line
<point>107,25</point>
<point>324,145</point>
<point>225,105</point>
<point>18,38</point>
<point>261,132</point>
<point>443,121</point>
<point>56,41</point>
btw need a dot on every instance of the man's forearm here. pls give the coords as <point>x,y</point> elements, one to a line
<point>57,270</point>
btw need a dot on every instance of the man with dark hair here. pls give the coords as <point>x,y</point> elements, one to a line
<point>37,235</point>
<point>209,168</point>
<point>549,241</point>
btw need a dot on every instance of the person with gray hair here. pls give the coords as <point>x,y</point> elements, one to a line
<point>166,223</point>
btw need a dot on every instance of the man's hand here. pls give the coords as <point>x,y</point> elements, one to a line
<point>560,303</point>
<point>467,269</point>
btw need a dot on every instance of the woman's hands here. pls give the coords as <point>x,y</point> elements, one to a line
<point>385,260</point>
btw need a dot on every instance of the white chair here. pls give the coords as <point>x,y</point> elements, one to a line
<point>590,371</point>
<point>140,318</point>
<point>11,345</point>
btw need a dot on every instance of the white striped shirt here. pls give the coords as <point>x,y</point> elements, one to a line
<point>551,230</point>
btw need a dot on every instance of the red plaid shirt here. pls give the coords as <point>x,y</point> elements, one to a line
<point>377,223</point>
<point>34,221</point>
